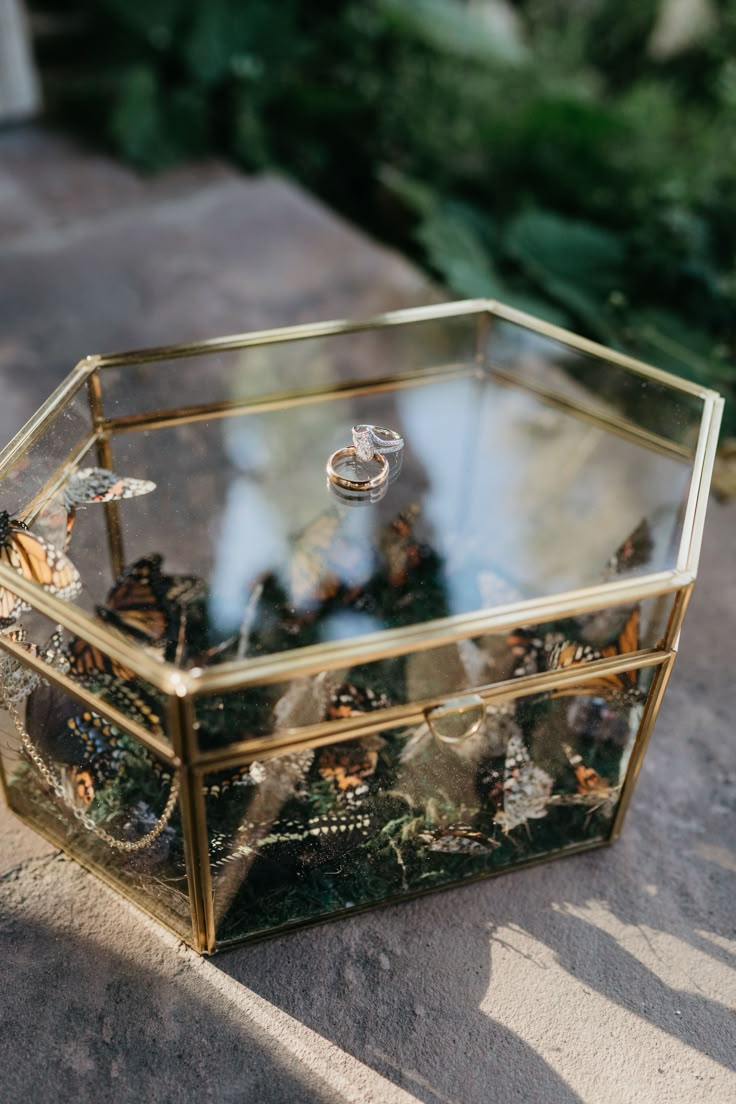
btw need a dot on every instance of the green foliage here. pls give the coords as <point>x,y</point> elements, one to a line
<point>556,163</point>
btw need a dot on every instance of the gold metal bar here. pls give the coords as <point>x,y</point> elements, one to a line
<point>328,392</point>
<point>709,456</point>
<point>163,676</point>
<point>593,348</point>
<point>187,794</point>
<point>45,414</point>
<point>158,744</point>
<point>411,895</point>
<point>295,333</point>
<point>200,835</point>
<point>677,615</point>
<point>414,713</point>
<point>694,488</point>
<point>315,658</point>
<point>104,459</point>
<point>651,711</point>
<point>621,427</point>
<point>57,479</point>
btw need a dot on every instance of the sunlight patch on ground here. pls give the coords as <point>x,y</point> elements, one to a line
<point>603,1051</point>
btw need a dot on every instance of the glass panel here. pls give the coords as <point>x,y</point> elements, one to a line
<point>75,772</point>
<point>594,383</point>
<point>261,370</point>
<point>259,711</point>
<point>315,832</point>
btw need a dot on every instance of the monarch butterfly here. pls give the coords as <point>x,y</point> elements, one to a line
<point>36,560</point>
<point>87,661</point>
<point>143,602</point>
<point>101,485</point>
<point>569,653</point>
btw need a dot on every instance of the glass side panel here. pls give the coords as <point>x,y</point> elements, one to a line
<point>594,383</point>
<point>261,711</point>
<point>94,775</point>
<point>320,831</point>
<point>288,366</point>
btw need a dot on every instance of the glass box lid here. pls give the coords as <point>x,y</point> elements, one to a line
<point>538,472</point>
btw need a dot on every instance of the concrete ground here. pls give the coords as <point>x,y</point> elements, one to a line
<point>608,978</point>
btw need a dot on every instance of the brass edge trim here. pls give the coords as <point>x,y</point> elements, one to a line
<point>105,460</point>
<point>414,713</point>
<point>161,419</point>
<point>709,458</point>
<point>429,634</point>
<point>157,744</point>
<point>686,535</point>
<point>619,426</point>
<point>594,348</point>
<point>46,413</point>
<point>176,724</point>
<point>295,333</point>
<point>58,478</point>
<point>646,727</point>
<point>263,934</point>
<point>162,675</point>
<point>98,870</point>
<point>201,833</point>
<point>676,617</point>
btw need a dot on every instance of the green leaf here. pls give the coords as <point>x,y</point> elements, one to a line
<point>458,241</point>
<point>576,263</point>
<point>455,249</point>
<point>451,28</point>
<point>678,346</point>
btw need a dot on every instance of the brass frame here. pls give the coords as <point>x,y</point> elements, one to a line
<point>183,688</point>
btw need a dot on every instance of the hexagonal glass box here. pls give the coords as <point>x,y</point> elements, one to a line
<point>253,698</point>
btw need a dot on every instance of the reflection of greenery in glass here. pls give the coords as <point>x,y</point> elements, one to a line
<point>575,160</point>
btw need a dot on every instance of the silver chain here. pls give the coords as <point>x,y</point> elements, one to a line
<point>83,817</point>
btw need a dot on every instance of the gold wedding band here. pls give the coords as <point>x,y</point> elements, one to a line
<point>356,484</point>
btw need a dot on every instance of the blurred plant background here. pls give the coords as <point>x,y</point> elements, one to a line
<point>576,158</point>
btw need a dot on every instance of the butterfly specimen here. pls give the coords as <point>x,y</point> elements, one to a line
<point>87,662</point>
<point>459,839</point>
<point>570,653</point>
<point>100,485</point>
<point>36,560</point>
<point>18,681</point>
<point>146,604</point>
<point>348,766</point>
<point>553,652</point>
<point>347,700</point>
<point>526,787</point>
<point>592,791</point>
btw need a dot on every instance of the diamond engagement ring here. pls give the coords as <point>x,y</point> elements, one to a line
<point>371,439</point>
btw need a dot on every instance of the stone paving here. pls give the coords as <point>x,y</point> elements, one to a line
<point>609,977</point>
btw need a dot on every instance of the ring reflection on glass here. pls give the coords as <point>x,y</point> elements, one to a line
<point>370,439</point>
<point>358,498</point>
<point>351,453</point>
